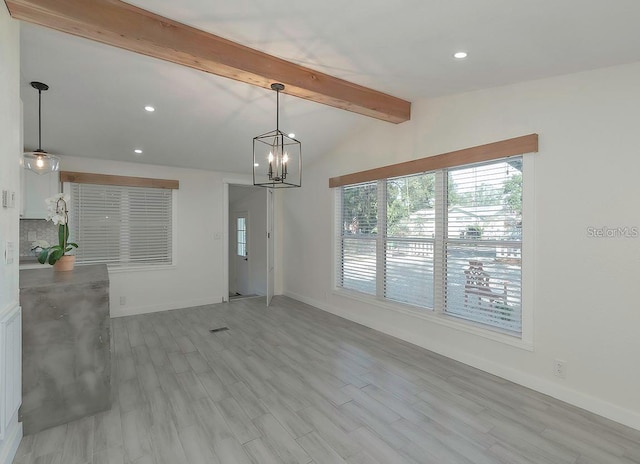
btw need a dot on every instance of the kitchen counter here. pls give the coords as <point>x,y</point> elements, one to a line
<point>47,277</point>
<point>66,345</point>
<point>31,262</point>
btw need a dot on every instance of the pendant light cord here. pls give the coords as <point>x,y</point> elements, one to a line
<point>278,110</point>
<point>39,120</point>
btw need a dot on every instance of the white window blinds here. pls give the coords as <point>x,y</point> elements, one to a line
<point>121,226</point>
<point>448,240</point>
<point>358,233</point>
<point>484,242</point>
<point>410,238</point>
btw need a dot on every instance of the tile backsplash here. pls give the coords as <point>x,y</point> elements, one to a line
<point>43,229</point>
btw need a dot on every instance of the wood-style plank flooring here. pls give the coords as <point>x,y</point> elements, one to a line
<point>293,384</point>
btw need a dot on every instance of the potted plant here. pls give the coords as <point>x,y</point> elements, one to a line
<point>56,255</point>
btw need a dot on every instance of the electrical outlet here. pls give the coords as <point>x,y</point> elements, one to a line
<point>123,300</point>
<point>560,368</point>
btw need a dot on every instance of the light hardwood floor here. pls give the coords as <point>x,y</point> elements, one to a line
<point>293,384</point>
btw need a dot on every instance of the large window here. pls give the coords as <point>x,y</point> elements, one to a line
<point>121,225</point>
<point>358,237</point>
<point>447,241</point>
<point>410,238</point>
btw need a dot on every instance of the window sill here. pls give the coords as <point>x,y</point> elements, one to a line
<point>437,318</point>
<point>140,268</point>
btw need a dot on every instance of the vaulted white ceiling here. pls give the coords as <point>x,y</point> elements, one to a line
<point>95,107</point>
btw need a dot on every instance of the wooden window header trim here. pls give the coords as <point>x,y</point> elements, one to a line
<point>124,181</point>
<point>488,152</point>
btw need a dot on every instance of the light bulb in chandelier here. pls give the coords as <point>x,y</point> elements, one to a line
<point>285,162</point>
<point>277,171</point>
<point>270,159</point>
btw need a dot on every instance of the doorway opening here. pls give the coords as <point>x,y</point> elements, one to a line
<point>247,246</point>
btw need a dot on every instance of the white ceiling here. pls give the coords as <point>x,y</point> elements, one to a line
<point>95,105</point>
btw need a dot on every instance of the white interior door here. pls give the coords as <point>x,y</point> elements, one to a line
<point>241,255</point>
<point>270,248</point>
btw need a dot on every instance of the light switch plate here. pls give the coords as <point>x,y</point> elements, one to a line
<point>8,199</point>
<point>9,252</point>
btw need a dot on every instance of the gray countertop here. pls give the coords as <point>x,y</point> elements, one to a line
<point>46,277</point>
<point>66,368</point>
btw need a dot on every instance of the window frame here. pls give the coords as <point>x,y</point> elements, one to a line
<point>124,267</point>
<point>244,236</point>
<point>438,314</point>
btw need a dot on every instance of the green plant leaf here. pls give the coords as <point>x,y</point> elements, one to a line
<point>42,256</point>
<point>72,244</point>
<point>55,256</point>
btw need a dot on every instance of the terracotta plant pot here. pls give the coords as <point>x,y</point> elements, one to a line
<point>65,263</point>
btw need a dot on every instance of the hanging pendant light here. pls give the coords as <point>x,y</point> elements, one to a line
<point>39,161</point>
<point>277,157</point>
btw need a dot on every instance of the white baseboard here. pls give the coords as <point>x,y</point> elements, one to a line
<point>9,446</point>
<point>568,395</point>
<point>136,310</point>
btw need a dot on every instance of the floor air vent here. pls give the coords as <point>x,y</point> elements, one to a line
<point>221,329</point>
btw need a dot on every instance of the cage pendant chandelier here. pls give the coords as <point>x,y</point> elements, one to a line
<point>277,158</point>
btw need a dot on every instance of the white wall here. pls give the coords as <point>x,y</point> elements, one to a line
<point>254,202</point>
<point>585,305</point>
<point>197,277</point>
<point>10,156</point>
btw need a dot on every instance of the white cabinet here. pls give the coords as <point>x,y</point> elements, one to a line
<point>35,189</point>
<point>10,366</point>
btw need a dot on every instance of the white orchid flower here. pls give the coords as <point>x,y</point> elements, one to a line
<point>39,244</point>
<point>57,208</point>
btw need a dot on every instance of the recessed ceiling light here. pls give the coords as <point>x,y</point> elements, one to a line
<point>460,55</point>
<point>149,108</point>
<point>292,135</point>
<point>137,151</point>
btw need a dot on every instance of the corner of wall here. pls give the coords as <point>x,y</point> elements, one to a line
<point>10,156</point>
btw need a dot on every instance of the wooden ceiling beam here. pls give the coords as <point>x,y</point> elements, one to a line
<point>125,26</point>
